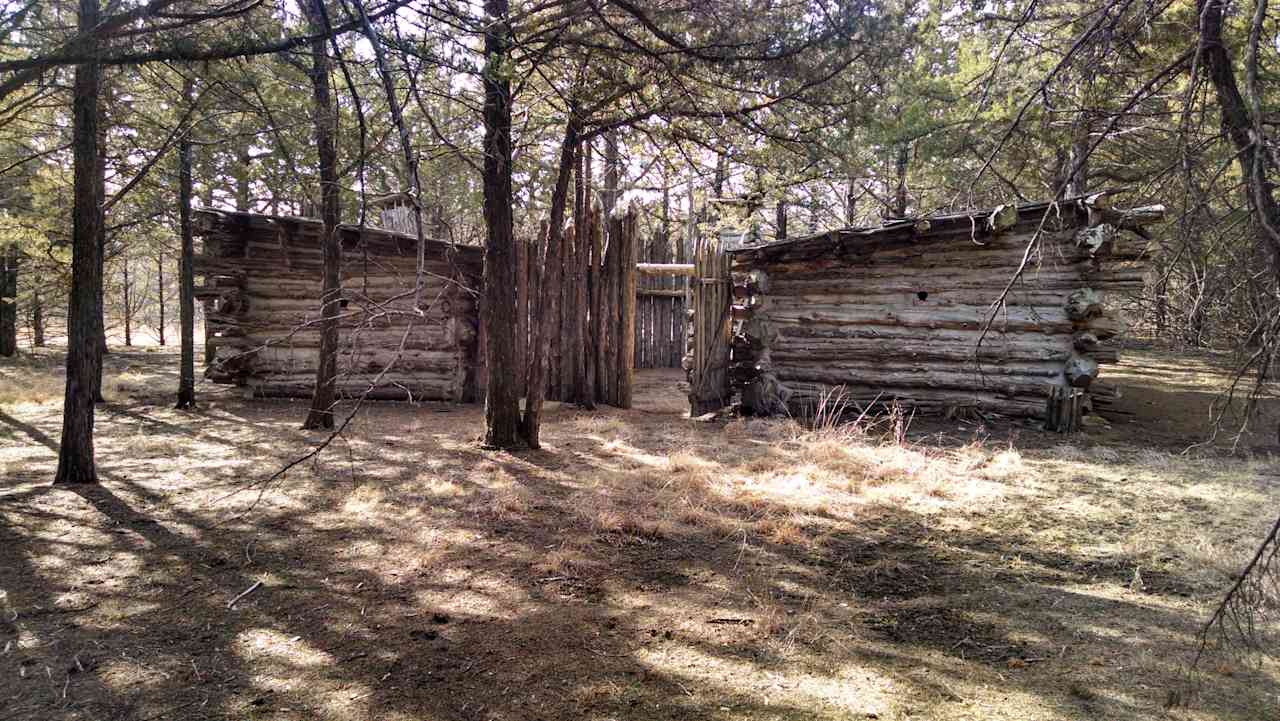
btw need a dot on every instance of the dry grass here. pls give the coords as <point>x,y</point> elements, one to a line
<point>641,566</point>
<point>28,387</point>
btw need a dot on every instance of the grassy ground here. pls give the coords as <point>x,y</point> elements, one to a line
<point>641,566</point>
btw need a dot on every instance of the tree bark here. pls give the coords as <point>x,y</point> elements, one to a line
<point>502,404</point>
<point>1243,126</point>
<point>75,452</point>
<point>612,172</point>
<point>549,304</point>
<point>851,202</point>
<point>128,303</point>
<point>9,302</point>
<point>160,297</point>
<point>900,194</point>
<point>37,318</point>
<point>323,397</point>
<point>100,180</point>
<point>186,279</point>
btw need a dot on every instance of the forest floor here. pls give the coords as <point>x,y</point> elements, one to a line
<point>641,566</point>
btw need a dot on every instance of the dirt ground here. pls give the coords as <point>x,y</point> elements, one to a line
<point>641,566</point>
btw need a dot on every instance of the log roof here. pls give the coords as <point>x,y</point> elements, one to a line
<point>973,225</point>
<point>307,231</point>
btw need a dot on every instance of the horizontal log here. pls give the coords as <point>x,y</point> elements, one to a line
<point>660,292</point>
<point>870,350</point>
<point>890,336</point>
<point>684,269</point>
<point>922,381</point>
<point>1048,320</point>
<point>390,389</point>
<point>939,297</point>
<point>442,355</point>
<point>310,339</point>
<point>270,371</point>
<point>927,400</point>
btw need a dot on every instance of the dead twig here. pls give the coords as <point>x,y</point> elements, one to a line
<point>246,592</point>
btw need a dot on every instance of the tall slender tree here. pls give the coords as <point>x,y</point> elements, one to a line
<point>186,281</point>
<point>9,301</point>
<point>502,403</point>
<point>75,453</point>
<point>323,397</point>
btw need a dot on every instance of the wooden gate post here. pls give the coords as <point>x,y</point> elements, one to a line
<point>711,322</point>
<point>627,349</point>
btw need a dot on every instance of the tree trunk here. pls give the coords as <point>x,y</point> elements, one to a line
<point>612,172</point>
<point>781,220</point>
<point>322,399</point>
<point>1241,126</point>
<point>549,304</point>
<point>37,318</point>
<point>851,202</point>
<point>100,180</point>
<point>582,236</point>
<point>75,452</point>
<point>243,159</point>
<point>9,302</point>
<point>160,297</point>
<point>900,194</point>
<point>128,304</point>
<point>502,405</point>
<point>186,275</point>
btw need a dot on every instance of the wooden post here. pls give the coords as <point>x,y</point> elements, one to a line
<point>626,375</point>
<point>536,384</point>
<point>582,258</point>
<point>614,258</point>
<point>568,311</point>
<point>598,312</point>
<point>712,299</point>
<point>591,252</point>
<point>643,306</point>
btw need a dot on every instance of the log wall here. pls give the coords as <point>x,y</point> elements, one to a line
<point>261,289</point>
<point>900,313</point>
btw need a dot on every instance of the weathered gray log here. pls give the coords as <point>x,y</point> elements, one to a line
<point>1003,218</point>
<point>1083,304</point>
<point>660,292</point>
<point>1081,370</point>
<point>663,269</point>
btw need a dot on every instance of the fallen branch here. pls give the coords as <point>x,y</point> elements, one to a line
<point>246,592</point>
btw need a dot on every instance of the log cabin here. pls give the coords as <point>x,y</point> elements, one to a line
<point>404,334</point>
<point>997,311</point>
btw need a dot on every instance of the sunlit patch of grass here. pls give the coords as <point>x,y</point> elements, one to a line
<point>364,499</point>
<point>150,445</point>
<point>502,504</point>
<point>21,387</point>
<point>1004,465</point>
<point>782,531</point>
<point>121,386</point>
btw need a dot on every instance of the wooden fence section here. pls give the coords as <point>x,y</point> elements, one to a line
<point>660,306</point>
<point>591,357</point>
<point>709,330</point>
